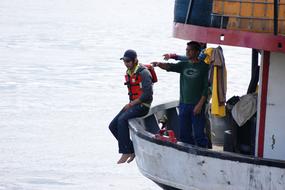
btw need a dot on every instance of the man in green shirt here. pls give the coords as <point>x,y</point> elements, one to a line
<point>193,94</point>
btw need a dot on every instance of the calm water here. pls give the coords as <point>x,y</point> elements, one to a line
<point>61,83</point>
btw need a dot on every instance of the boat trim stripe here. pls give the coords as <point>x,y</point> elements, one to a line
<point>264,41</point>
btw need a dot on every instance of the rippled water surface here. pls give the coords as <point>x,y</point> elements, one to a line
<point>61,83</point>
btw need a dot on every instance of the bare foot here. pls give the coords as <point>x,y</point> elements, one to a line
<point>124,158</point>
<point>132,157</point>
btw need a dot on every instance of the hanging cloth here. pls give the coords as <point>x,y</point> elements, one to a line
<point>245,108</point>
<point>218,79</point>
<point>208,52</point>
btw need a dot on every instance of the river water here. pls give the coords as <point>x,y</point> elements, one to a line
<point>61,83</point>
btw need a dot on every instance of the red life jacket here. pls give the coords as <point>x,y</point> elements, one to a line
<point>152,72</point>
<point>134,82</point>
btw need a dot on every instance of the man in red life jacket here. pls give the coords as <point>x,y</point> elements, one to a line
<point>139,83</point>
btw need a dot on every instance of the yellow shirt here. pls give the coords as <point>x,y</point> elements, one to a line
<point>208,53</point>
<point>219,111</point>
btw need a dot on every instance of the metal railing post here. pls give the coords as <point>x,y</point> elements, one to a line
<point>275,17</point>
<point>188,11</point>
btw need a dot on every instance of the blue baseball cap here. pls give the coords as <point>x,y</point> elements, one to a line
<point>129,55</point>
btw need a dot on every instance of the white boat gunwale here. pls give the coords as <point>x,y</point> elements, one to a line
<point>136,126</point>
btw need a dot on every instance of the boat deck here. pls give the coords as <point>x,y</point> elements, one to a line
<point>218,148</point>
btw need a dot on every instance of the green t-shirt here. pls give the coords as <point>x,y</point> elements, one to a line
<point>193,80</point>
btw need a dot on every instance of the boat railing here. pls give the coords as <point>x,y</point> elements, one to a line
<point>146,127</point>
<point>254,16</point>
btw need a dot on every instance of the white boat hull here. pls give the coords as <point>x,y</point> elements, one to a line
<point>182,166</point>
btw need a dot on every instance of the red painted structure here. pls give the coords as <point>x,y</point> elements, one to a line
<point>264,88</point>
<point>264,41</point>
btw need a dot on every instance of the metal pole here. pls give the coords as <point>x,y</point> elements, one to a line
<point>254,61</point>
<point>275,17</point>
<point>188,11</point>
<point>254,72</point>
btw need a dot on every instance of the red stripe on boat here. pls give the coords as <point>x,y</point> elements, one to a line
<point>263,100</point>
<point>264,41</point>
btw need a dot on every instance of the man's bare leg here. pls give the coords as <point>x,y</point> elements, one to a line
<point>124,158</point>
<point>132,157</point>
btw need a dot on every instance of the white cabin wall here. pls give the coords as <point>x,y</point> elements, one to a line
<point>274,139</point>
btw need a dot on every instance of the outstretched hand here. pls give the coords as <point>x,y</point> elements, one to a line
<point>161,65</point>
<point>168,56</point>
<point>155,64</point>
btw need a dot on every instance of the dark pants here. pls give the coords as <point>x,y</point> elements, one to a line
<point>188,122</point>
<point>120,129</point>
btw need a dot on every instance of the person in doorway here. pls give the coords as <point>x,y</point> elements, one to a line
<point>193,95</point>
<point>139,83</point>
